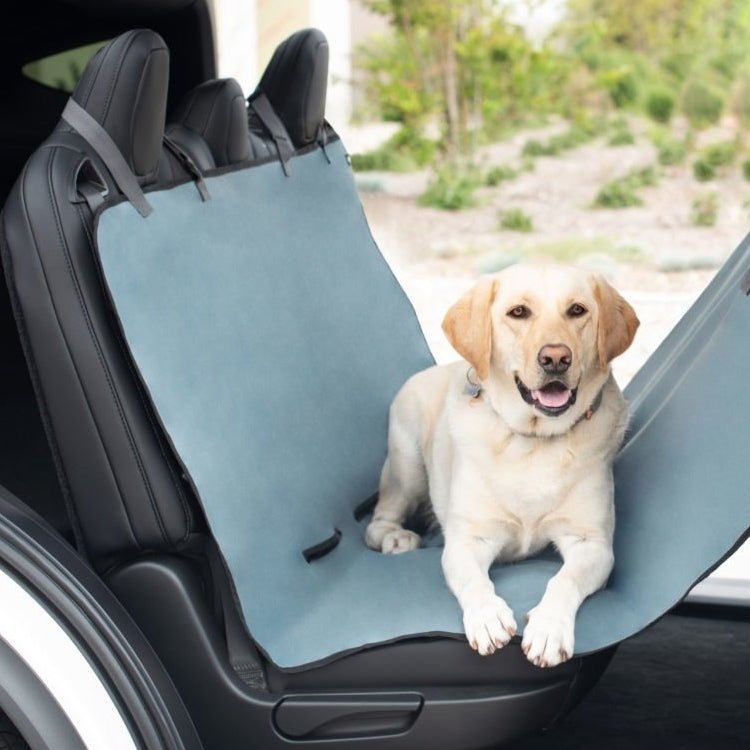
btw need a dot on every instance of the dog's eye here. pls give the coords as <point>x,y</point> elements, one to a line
<point>576,310</point>
<point>520,311</point>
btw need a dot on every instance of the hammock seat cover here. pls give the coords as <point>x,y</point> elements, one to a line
<point>271,336</point>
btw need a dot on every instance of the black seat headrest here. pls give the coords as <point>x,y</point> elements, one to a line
<point>124,88</point>
<point>295,83</point>
<point>210,123</point>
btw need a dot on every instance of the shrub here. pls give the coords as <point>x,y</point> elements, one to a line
<point>580,132</point>
<point>621,193</point>
<point>705,210</point>
<point>621,137</point>
<point>671,151</point>
<point>516,220</point>
<point>404,151</point>
<point>702,104</point>
<point>535,148</point>
<point>720,154</point>
<point>452,188</point>
<point>660,105</point>
<point>621,83</point>
<point>498,174</point>
<point>746,169</point>
<point>617,194</point>
<point>644,177</point>
<point>703,171</point>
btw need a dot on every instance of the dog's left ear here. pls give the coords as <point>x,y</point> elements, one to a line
<point>469,328</point>
<point>617,321</point>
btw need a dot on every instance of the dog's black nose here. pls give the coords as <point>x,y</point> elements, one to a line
<point>554,358</point>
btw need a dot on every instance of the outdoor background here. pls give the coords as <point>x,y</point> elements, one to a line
<point>611,134</point>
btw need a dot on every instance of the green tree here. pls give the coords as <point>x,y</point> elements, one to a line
<point>459,63</point>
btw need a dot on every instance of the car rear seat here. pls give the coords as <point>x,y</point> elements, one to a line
<point>135,515</point>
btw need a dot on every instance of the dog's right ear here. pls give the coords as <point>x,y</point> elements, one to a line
<point>469,328</point>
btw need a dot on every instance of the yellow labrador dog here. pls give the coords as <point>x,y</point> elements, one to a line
<point>514,447</point>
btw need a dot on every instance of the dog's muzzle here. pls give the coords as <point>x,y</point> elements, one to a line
<point>552,399</point>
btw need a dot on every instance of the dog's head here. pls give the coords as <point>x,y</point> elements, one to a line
<point>541,338</point>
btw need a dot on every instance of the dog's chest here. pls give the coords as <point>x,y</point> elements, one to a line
<point>529,476</point>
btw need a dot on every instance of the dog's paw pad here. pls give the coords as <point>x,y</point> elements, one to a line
<point>548,639</point>
<point>489,626</point>
<point>398,541</point>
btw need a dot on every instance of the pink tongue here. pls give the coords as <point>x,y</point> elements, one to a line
<point>552,399</point>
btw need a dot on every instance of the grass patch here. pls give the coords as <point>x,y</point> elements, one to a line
<point>621,138</point>
<point>720,154</point>
<point>703,170</point>
<point>671,151</point>
<point>568,250</point>
<point>516,220</point>
<point>705,210</point>
<point>404,151</point>
<point>620,133</point>
<point>501,173</point>
<point>451,189</point>
<point>622,192</point>
<point>576,135</point>
<point>714,158</point>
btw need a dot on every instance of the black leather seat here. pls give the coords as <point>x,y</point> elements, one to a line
<point>135,516</point>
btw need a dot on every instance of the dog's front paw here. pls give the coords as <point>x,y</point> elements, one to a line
<point>489,625</point>
<point>547,638</point>
<point>399,540</point>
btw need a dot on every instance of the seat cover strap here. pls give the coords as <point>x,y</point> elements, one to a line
<point>275,128</point>
<point>100,140</point>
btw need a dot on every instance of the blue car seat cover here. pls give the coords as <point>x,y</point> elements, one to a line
<point>271,337</point>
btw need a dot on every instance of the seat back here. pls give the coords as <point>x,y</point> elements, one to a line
<point>124,488</point>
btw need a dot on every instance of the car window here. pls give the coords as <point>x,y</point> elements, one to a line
<point>63,69</point>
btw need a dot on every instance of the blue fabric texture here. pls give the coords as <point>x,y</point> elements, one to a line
<point>271,336</point>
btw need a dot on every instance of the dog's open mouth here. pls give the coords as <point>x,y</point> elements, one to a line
<point>551,399</point>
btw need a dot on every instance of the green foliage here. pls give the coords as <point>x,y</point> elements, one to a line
<point>620,134</point>
<point>660,104</point>
<point>516,220</point>
<point>460,64</point>
<point>703,170</point>
<point>621,83</point>
<point>740,98</point>
<point>671,151</point>
<point>452,188</point>
<point>713,158</point>
<point>720,154</point>
<point>617,194</point>
<point>665,51</point>
<point>501,173</point>
<point>702,103</point>
<point>580,132</point>
<point>746,169</point>
<point>621,193</point>
<point>534,147</point>
<point>404,151</point>
<point>704,210</point>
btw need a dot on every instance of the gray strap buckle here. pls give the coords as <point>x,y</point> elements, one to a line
<point>100,140</point>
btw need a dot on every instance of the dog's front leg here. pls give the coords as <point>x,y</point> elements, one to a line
<point>488,620</point>
<point>548,637</point>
